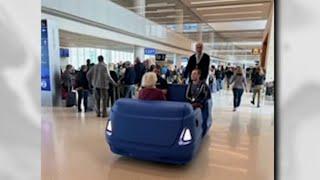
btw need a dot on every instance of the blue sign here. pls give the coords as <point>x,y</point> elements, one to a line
<point>150,51</point>
<point>45,63</point>
<point>190,27</point>
<point>64,52</point>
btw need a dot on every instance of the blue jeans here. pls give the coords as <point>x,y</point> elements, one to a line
<point>219,84</point>
<point>83,94</point>
<point>130,91</point>
<point>237,94</point>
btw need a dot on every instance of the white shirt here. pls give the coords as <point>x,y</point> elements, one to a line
<point>198,57</point>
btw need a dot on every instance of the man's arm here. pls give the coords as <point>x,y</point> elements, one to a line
<point>109,77</point>
<point>187,70</point>
<point>89,75</point>
<point>207,66</point>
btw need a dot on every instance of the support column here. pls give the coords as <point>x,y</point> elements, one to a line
<point>179,21</point>
<point>175,59</point>
<point>50,64</point>
<point>200,33</point>
<point>139,52</point>
<point>270,53</point>
<point>140,7</point>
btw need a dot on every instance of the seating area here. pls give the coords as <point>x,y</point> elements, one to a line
<point>174,129</point>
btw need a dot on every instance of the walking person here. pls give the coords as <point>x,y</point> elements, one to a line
<point>229,74</point>
<point>257,84</point>
<point>82,86</point>
<point>212,79</point>
<point>239,85</point>
<point>100,78</point>
<point>219,78</point>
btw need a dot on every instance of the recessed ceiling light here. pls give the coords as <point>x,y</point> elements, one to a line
<point>230,6</point>
<point>160,4</point>
<point>231,50</point>
<point>234,13</point>
<point>236,19</point>
<point>164,4</point>
<point>212,1</point>
<point>163,11</point>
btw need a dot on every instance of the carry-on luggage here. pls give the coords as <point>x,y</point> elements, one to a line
<point>71,99</point>
<point>91,102</point>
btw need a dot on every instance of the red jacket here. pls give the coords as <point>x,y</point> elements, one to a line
<point>151,94</point>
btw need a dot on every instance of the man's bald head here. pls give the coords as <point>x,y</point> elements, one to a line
<point>199,47</point>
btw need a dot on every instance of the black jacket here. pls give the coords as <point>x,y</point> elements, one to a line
<point>219,74</point>
<point>81,80</point>
<point>129,76</point>
<point>139,70</point>
<point>115,78</point>
<point>201,96</point>
<point>258,79</point>
<point>203,66</point>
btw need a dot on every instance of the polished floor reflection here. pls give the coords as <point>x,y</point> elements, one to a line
<point>240,146</point>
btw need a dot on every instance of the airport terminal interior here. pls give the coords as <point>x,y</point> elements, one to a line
<point>134,135</point>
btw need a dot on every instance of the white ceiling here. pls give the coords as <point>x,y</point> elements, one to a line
<point>69,39</point>
<point>239,25</point>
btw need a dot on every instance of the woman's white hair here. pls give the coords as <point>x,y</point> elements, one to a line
<point>149,80</point>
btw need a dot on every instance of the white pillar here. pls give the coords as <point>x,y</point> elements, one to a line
<point>175,59</point>
<point>50,64</point>
<point>200,32</point>
<point>139,52</point>
<point>179,21</point>
<point>270,54</point>
<point>140,7</point>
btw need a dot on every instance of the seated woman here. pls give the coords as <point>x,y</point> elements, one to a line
<point>198,91</point>
<point>149,90</point>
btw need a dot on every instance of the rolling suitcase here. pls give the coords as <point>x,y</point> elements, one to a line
<point>91,102</point>
<point>71,99</point>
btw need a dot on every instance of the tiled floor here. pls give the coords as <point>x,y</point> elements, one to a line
<point>240,146</point>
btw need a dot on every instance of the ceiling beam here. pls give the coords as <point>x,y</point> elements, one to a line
<point>227,3</point>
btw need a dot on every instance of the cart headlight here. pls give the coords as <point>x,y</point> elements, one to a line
<point>185,137</point>
<point>109,127</point>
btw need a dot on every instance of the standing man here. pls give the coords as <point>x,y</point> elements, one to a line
<point>219,77</point>
<point>129,80</point>
<point>139,70</point>
<point>199,60</point>
<point>88,63</point>
<point>100,78</point>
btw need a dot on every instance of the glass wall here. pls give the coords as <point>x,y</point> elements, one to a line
<point>78,56</point>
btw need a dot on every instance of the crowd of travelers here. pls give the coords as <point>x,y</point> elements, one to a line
<point>103,83</point>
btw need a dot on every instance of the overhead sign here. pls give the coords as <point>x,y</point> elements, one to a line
<point>160,57</point>
<point>191,27</point>
<point>45,62</point>
<point>150,51</point>
<point>256,51</point>
<point>64,52</point>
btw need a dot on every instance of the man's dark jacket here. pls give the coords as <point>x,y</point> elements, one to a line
<point>203,66</point>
